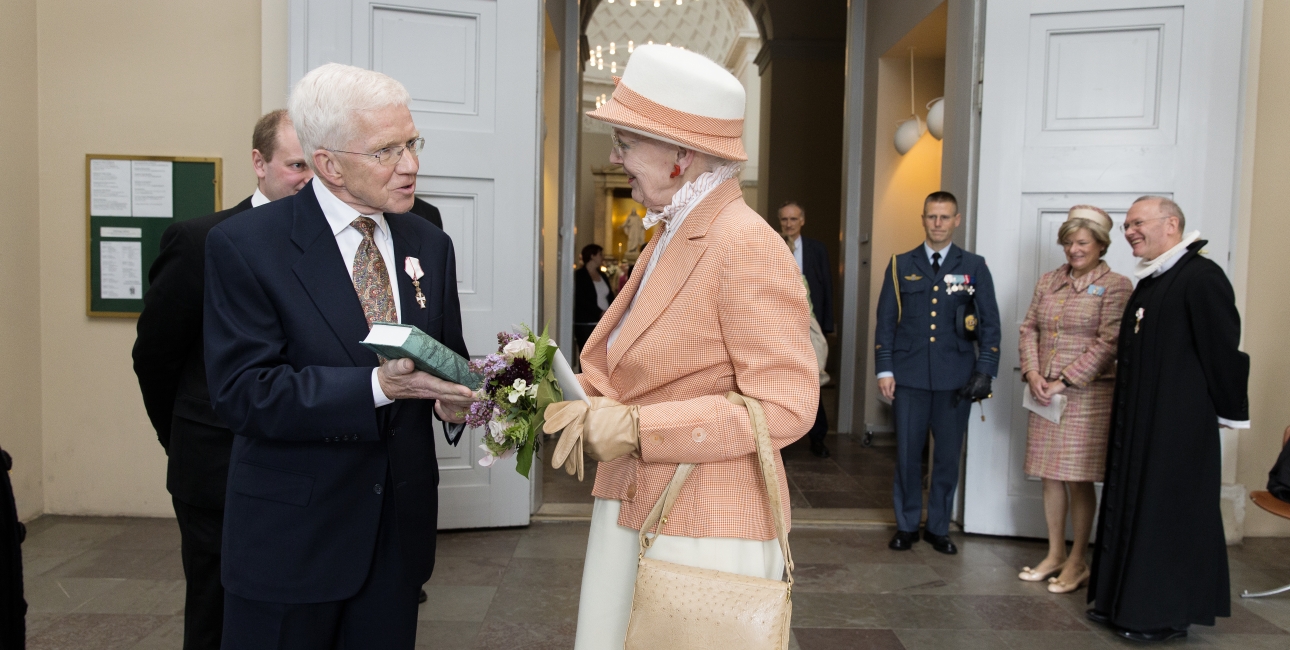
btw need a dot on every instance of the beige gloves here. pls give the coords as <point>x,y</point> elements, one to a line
<point>604,428</point>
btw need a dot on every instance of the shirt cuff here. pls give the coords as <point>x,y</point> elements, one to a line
<point>378,395</point>
<point>1233,424</point>
<point>884,375</point>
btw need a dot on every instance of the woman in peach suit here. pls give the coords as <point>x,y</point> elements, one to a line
<point>715,305</point>
<point>1068,347</point>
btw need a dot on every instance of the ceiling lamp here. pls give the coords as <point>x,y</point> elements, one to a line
<point>612,48</point>
<point>936,118</point>
<point>631,46</point>
<point>910,130</point>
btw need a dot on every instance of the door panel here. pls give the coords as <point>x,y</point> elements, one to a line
<point>479,168</point>
<point>1093,102</point>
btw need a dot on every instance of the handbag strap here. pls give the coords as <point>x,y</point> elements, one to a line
<point>765,459</point>
<point>895,283</point>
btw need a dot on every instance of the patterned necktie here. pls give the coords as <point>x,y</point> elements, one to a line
<point>936,264</point>
<point>371,280</point>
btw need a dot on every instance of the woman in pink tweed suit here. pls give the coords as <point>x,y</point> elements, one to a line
<point>715,305</point>
<point>1068,343</point>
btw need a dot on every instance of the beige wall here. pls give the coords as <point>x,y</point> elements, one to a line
<point>900,184</point>
<point>159,77</point>
<point>1267,311</point>
<point>20,331</point>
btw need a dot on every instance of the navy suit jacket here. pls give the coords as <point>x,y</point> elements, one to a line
<point>919,342</point>
<point>819,278</point>
<point>312,455</point>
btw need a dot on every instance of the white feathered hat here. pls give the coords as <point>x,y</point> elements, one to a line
<point>680,97</point>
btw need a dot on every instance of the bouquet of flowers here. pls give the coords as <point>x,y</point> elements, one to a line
<point>518,386</point>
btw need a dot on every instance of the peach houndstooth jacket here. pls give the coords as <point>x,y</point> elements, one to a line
<point>724,310</point>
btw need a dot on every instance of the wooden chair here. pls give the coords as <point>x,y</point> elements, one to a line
<point>1265,500</point>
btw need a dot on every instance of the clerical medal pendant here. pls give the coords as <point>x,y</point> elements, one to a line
<point>421,297</point>
<point>1138,324</point>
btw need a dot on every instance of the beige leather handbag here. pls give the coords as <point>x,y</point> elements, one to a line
<point>681,607</point>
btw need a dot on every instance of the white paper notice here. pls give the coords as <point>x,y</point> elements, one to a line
<point>120,269</point>
<point>121,233</point>
<point>151,189</point>
<point>109,188</point>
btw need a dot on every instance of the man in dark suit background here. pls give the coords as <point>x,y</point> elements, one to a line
<point>172,377</point>
<point>332,493</point>
<point>813,262</point>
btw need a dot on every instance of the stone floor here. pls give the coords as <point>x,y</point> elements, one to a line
<point>107,583</point>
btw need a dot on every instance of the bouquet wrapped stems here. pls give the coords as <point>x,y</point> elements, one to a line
<point>517,387</point>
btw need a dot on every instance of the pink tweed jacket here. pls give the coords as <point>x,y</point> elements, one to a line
<point>724,310</point>
<point>1072,326</point>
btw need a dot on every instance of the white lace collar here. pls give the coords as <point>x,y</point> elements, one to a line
<point>689,196</point>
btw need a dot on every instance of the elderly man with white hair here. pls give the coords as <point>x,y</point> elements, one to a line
<point>332,490</point>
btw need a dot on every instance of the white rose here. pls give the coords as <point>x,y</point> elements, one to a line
<point>497,430</point>
<point>519,349</point>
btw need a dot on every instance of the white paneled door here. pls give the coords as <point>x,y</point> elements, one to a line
<point>473,68</point>
<point>1089,101</point>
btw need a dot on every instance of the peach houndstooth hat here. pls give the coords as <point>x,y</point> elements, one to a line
<point>679,97</point>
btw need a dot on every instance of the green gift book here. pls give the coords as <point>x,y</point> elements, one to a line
<point>398,341</point>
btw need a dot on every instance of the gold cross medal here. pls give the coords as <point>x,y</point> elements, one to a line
<point>1140,313</point>
<point>412,266</point>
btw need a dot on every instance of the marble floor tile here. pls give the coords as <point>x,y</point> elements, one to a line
<point>835,610</point>
<point>446,635</point>
<point>169,636</point>
<point>145,534</point>
<point>862,578</point>
<point>846,639</point>
<point>949,639</point>
<point>468,571</point>
<point>1243,641</point>
<point>47,595</point>
<point>1024,613</point>
<point>929,612</point>
<point>1246,621</point>
<point>554,540</point>
<point>1031,640</point>
<point>38,560</point>
<point>95,632</point>
<point>841,499</point>
<point>1274,609</point>
<point>525,636</point>
<point>982,580</point>
<point>809,480</point>
<point>154,597</point>
<point>118,563</point>
<point>456,603</point>
<point>71,533</point>
<point>477,543</point>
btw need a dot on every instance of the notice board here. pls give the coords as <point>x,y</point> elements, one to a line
<point>129,202</point>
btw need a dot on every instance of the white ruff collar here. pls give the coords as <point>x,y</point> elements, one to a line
<point>1147,267</point>
<point>689,195</point>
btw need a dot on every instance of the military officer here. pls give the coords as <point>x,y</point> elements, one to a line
<point>936,350</point>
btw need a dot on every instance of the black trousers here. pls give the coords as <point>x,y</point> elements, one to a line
<point>201,531</point>
<point>915,411</point>
<point>821,426</point>
<point>381,616</point>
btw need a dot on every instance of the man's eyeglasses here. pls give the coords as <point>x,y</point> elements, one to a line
<point>1137,223</point>
<point>391,155</point>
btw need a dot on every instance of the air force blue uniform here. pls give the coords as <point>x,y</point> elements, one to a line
<point>918,340</point>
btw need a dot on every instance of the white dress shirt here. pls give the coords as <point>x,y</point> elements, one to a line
<point>258,199</point>
<point>339,216</point>
<point>797,253</point>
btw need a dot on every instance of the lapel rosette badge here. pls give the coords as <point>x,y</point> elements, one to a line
<point>412,266</point>
<point>519,383</point>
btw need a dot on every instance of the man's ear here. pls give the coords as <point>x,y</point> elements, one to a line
<point>328,168</point>
<point>260,165</point>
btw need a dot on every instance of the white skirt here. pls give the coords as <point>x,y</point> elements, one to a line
<point>609,573</point>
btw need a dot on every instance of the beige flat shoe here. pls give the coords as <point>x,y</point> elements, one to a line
<point>1030,575</point>
<point>1056,586</point>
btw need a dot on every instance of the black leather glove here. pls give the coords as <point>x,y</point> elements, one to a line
<point>977,389</point>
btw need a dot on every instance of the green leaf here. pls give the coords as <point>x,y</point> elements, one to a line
<point>524,459</point>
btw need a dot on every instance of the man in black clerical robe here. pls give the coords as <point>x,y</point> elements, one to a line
<point>1160,563</point>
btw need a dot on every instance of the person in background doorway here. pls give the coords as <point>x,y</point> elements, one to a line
<point>813,261</point>
<point>1068,348</point>
<point>1160,563</point>
<point>591,293</point>
<point>935,300</point>
<point>172,377</point>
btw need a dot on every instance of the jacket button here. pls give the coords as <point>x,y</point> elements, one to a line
<point>933,339</point>
<point>376,488</point>
<point>699,434</point>
<point>933,302</point>
<point>326,439</point>
<point>631,490</point>
<point>933,326</point>
<point>933,313</point>
<point>936,288</point>
<point>658,440</point>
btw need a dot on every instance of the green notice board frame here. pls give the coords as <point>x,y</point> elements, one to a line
<point>196,190</point>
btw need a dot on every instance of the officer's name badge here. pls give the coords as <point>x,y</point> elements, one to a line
<point>955,283</point>
<point>913,277</point>
<point>1095,290</point>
